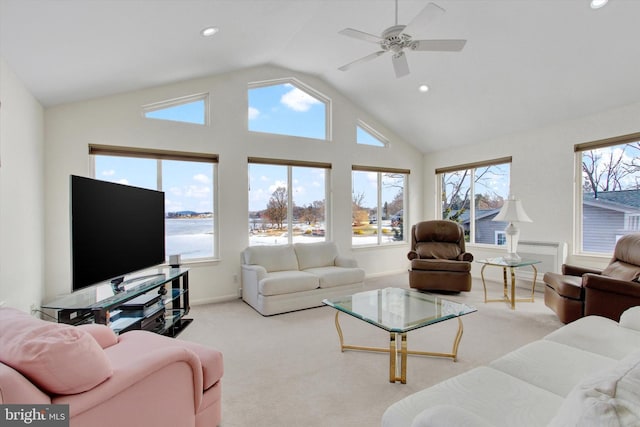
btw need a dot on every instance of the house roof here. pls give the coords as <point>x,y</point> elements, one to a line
<point>624,201</point>
<point>526,63</point>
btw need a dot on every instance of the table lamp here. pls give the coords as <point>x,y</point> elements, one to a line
<point>512,212</point>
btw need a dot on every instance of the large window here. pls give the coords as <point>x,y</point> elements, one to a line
<point>287,201</point>
<point>473,194</point>
<point>609,193</point>
<point>378,197</point>
<point>188,180</point>
<point>288,108</point>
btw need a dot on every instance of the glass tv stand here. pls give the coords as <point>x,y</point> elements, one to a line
<point>156,300</point>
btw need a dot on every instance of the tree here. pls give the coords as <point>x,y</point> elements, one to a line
<point>611,169</point>
<point>359,214</point>
<point>277,207</point>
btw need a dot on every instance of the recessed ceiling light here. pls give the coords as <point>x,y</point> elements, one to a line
<point>597,4</point>
<point>209,31</point>
<point>423,88</point>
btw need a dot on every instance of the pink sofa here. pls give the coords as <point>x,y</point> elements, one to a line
<point>136,379</point>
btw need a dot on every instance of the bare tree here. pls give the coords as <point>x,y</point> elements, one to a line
<point>359,213</point>
<point>611,170</point>
<point>277,207</point>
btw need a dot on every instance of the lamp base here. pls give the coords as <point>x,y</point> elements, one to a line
<point>512,258</point>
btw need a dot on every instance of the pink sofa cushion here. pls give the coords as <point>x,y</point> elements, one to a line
<point>59,359</point>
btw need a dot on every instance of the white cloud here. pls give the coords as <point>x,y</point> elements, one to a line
<point>197,191</point>
<point>109,172</point>
<point>298,100</point>
<point>273,187</point>
<point>253,113</point>
<point>201,178</point>
<point>123,181</point>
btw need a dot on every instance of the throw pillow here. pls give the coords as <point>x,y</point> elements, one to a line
<point>609,398</point>
<point>57,358</point>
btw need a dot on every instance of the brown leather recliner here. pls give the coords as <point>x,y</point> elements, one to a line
<point>439,261</point>
<point>582,291</point>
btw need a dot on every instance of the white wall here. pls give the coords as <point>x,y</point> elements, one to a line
<point>21,194</point>
<point>117,120</point>
<point>542,173</point>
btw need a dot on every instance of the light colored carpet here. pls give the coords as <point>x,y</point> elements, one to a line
<point>287,370</point>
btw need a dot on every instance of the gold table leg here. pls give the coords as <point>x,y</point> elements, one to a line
<point>398,352</point>
<point>510,299</point>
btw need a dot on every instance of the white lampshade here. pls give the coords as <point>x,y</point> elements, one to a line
<point>512,211</point>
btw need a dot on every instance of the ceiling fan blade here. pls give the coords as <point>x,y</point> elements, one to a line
<point>422,20</point>
<point>360,35</point>
<point>400,64</point>
<point>361,60</point>
<point>439,45</point>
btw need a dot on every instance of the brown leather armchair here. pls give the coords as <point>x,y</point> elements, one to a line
<point>582,291</point>
<point>439,261</point>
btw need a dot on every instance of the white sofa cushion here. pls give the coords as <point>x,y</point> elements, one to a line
<point>609,398</point>
<point>496,397</point>
<point>630,318</point>
<point>448,416</point>
<point>551,366</point>
<point>598,335</point>
<point>285,282</point>
<point>337,276</point>
<point>311,255</point>
<point>272,258</point>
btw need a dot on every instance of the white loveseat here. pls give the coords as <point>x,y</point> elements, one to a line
<point>278,279</point>
<point>586,373</point>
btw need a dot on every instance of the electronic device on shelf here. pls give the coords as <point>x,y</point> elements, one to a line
<point>116,229</point>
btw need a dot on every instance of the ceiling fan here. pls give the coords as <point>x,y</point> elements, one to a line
<point>397,38</point>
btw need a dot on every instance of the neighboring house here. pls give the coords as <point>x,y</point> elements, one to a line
<point>487,231</point>
<point>608,217</point>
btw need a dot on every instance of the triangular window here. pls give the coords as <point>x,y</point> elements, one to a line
<point>189,109</point>
<point>367,136</point>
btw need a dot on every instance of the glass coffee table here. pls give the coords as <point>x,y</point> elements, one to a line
<point>399,311</point>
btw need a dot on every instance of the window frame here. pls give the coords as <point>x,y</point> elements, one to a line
<point>471,167</point>
<point>175,102</point>
<point>379,203</point>
<point>159,156</point>
<point>291,164</point>
<point>328,111</point>
<point>579,149</point>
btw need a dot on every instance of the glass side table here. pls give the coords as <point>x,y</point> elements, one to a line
<point>511,265</point>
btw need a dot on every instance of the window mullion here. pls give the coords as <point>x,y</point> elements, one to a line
<point>290,204</point>
<point>159,175</point>
<point>379,209</point>
<point>472,207</point>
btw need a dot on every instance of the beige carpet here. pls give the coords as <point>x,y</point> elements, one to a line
<point>288,371</point>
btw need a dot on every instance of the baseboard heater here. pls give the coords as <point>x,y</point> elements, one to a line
<point>551,254</point>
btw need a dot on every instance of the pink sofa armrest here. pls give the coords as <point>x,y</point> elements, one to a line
<point>133,362</point>
<point>15,388</point>
<point>101,333</point>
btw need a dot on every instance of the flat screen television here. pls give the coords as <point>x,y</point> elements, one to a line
<point>116,229</point>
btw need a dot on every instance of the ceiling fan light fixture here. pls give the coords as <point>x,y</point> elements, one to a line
<point>597,4</point>
<point>209,31</point>
<point>423,88</point>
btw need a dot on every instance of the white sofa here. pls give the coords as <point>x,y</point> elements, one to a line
<point>586,373</point>
<point>278,279</point>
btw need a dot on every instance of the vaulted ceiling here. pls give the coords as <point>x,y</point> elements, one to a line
<point>526,63</point>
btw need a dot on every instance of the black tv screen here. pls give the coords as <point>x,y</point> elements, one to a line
<point>116,229</point>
